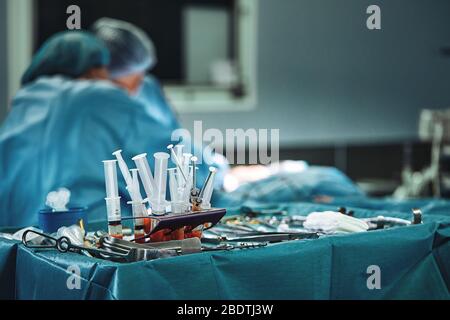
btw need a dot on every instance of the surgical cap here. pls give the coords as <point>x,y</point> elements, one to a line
<point>68,53</point>
<point>132,51</point>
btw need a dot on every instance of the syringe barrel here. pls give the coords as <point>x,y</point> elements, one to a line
<point>205,205</point>
<point>186,162</point>
<point>173,185</point>
<point>113,209</point>
<point>135,191</point>
<point>146,174</point>
<point>207,193</point>
<point>179,151</point>
<point>112,189</point>
<point>177,193</point>
<point>187,191</point>
<point>176,154</point>
<point>159,200</point>
<point>179,207</point>
<point>123,167</point>
<point>138,210</point>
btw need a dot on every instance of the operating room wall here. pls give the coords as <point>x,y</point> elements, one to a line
<point>3,62</point>
<point>324,78</point>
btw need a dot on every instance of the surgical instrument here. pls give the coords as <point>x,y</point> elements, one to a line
<point>343,210</point>
<point>191,245</point>
<point>175,222</point>
<point>263,237</point>
<point>248,211</point>
<point>180,247</point>
<point>64,245</point>
<point>238,246</point>
<point>381,222</point>
<point>417,216</point>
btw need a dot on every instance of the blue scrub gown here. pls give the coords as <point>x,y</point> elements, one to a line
<point>57,135</point>
<point>155,103</point>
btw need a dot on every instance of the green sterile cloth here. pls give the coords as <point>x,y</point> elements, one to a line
<point>8,251</point>
<point>414,262</point>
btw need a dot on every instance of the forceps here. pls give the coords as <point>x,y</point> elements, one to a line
<point>64,245</point>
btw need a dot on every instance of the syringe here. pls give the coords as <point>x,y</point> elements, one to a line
<point>177,192</point>
<point>146,175</point>
<point>186,163</point>
<point>177,161</point>
<point>135,197</point>
<point>187,191</point>
<point>158,201</point>
<point>112,200</point>
<point>138,208</point>
<point>182,174</point>
<point>123,167</point>
<point>206,193</point>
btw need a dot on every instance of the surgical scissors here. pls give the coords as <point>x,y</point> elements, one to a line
<point>64,245</point>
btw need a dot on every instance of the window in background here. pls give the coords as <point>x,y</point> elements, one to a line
<point>206,49</point>
<point>208,46</point>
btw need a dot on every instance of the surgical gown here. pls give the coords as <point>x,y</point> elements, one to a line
<point>155,103</point>
<point>58,133</point>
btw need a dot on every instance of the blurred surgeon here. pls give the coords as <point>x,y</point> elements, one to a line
<point>64,121</point>
<point>133,55</point>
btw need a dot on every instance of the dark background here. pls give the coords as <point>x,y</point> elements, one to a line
<point>161,19</point>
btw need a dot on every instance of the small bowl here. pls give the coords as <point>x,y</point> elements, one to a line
<point>50,221</point>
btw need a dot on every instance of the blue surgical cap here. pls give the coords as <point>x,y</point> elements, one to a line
<point>68,53</point>
<point>131,49</point>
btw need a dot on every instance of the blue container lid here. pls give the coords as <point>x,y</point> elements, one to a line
<point>71,210</point>
<point>50,221</point>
